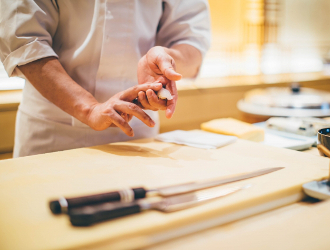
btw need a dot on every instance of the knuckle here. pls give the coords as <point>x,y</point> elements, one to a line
<point>133,107</point>
<point>135,88</point>
<point>145,116</point>
<point>106,111</point>
<point>111,116</point>
<point>115,105</point>
<point>121,122</point>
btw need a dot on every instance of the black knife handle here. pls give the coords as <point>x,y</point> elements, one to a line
<point>65,204</point>
<point>88,215</point>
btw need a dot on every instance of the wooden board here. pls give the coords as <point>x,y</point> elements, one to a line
<point>28,183</point>
<point>303,225</point>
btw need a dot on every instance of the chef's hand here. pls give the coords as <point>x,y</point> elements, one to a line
<point>158,65</point>
<point>119,109</point>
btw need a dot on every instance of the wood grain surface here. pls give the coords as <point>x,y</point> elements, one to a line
<point>28,183</point>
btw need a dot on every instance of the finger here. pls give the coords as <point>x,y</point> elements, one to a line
<point>155,101</point>
<point>163,80</point>
<point>129,117</point>
<point>166,64</point>
<point>125,117</point>
<point>172,75</point>
<point>132,93</point>
<point>131,108</point>
<point>121,123</point>
<point>144,101</point>
<point>171,104</point>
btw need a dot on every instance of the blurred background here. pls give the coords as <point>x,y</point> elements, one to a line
<point>252,37</point>
<point>255,44</point>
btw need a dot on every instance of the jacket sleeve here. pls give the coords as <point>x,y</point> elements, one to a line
<point>185,22</point>
<point>26,31</point>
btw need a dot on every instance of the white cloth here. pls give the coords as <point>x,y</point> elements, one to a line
<point>99,43</point>
<point>197,138</point>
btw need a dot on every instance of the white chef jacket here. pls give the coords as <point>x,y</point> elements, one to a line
<point>99,44</point>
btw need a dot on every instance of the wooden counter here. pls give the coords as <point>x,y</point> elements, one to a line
<point>9,101</point>
<point>28,183</point>
<point>303,225</point>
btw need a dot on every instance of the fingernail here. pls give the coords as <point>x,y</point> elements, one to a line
<point>168,113</point>
<point>131,132</point>
<point>152,123</point>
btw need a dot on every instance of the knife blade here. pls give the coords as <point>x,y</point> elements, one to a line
<point>88,215</point>
<point>193,186</point>
<point>62,205</point>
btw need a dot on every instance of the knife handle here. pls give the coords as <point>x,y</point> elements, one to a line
<point>88,215</point>
<point>63,205</point>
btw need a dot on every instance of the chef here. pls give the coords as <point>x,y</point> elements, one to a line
<point>92,67</point>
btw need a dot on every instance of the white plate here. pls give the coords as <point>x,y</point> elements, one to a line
<point>317,189</point>
<point>286,140</point>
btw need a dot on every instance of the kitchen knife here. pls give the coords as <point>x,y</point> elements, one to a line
<point>62,205</point>
<point>88,215</point>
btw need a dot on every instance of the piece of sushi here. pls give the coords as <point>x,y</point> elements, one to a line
<point>164,94</point>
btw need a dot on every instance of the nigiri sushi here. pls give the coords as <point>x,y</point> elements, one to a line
<point>164,94</point>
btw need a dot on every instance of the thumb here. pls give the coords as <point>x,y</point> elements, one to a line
<point>172,75</point>
<point>166,64</point>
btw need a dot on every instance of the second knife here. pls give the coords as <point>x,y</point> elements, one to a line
<point>88,215</point>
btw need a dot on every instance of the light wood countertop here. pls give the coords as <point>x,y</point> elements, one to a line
<point>28,183</point>
<point>10,99</point>
<point>303,225</point>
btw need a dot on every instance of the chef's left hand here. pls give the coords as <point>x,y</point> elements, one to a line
<point>158,65</point>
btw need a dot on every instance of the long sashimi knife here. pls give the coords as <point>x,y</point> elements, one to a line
<point>62,205</point>
<point>88,215</point>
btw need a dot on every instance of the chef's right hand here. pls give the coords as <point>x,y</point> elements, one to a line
<point>158,65</point>
<point>119,109</point>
